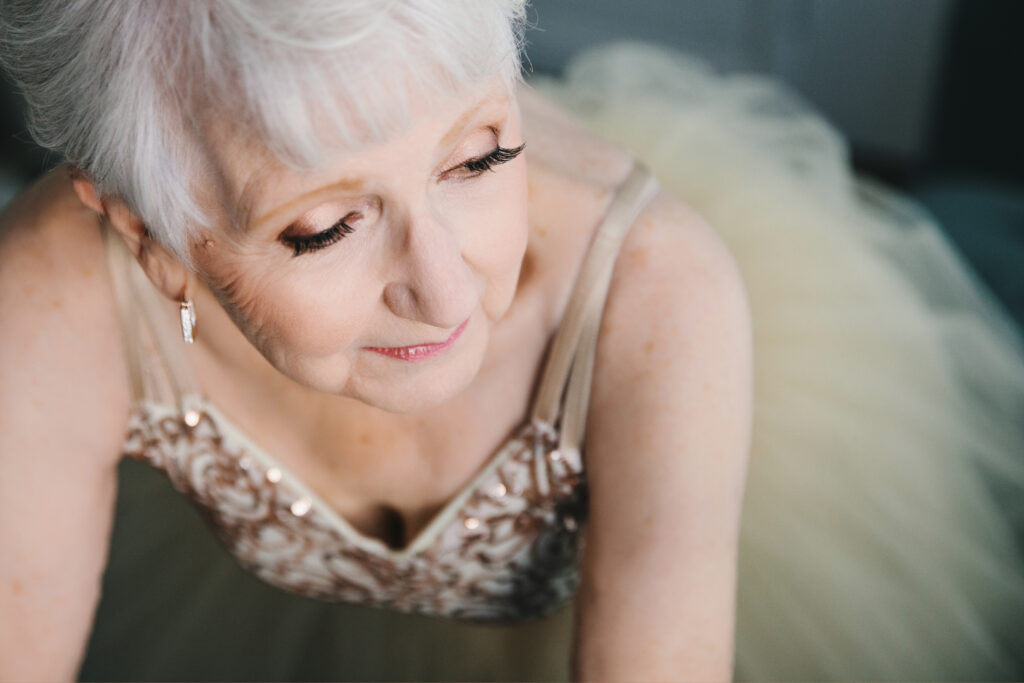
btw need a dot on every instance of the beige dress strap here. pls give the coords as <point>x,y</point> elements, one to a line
<point>120,262</point>
<point>572,352</point>
<point>158,368</point>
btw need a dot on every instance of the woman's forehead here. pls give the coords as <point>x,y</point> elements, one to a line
<point>257,187</point>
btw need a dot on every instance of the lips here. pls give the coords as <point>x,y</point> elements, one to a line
<point>421,351</point>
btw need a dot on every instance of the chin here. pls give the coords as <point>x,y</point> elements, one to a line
<point>423,395</point>
<point>419,386</point>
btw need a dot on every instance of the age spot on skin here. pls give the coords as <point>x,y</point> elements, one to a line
<point>638,258</point>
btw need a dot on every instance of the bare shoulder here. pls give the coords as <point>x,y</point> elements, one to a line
<point>668,437</point>
<point>63,409</point>
<point>60,346</point>
<point>675,342</point>
<point>673,266</point>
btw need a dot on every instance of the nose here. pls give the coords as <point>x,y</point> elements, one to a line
<point>431,282</point>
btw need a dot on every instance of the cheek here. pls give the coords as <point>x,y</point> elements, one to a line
<point>499,231</point>
<point>510,241</point>
<point>319,317</point>
<point>289,316</point>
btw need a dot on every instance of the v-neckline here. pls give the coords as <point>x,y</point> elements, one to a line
<point>422,540</point>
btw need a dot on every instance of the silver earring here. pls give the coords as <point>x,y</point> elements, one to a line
<point>188,320</point>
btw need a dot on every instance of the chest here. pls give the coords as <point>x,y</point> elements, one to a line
<point>506,548</point>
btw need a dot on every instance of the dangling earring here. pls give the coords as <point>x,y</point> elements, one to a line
<point>188,320</point>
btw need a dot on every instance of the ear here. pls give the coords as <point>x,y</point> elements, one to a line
<point>163,269</point>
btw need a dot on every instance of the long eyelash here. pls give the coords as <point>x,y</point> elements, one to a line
<point>303,243</point>
<point>500,155</point>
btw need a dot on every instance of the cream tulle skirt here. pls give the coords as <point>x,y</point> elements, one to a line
<point>887,472</point>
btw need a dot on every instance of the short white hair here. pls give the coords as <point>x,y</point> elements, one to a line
<point>120,88</point>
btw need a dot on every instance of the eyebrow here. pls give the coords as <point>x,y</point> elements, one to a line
<point>467,117</point>
<point>354,184</point>
<point>273,215</point>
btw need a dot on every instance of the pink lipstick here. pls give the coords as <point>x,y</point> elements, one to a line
<point>421,351</point>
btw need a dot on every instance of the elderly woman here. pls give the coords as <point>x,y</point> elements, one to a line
<point>333,204</point>
<point>410,338</point>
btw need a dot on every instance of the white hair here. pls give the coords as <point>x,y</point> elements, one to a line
<point>121,89</point>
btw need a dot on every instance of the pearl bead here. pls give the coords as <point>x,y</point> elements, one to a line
<point>273,475</point>
<point>301,506</point>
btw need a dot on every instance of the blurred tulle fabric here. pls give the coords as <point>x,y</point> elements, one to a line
<point>887,470</point>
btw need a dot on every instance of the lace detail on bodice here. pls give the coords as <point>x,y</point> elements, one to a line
<point>506,548</point>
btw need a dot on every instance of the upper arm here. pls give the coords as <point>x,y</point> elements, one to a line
<point>668,435</point>
<point>63,405</point>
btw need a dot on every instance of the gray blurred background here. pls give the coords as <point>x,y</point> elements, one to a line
<point>927,92</point>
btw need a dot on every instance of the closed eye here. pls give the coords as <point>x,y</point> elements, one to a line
<point>499,155</point>
<point>303,243</point>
